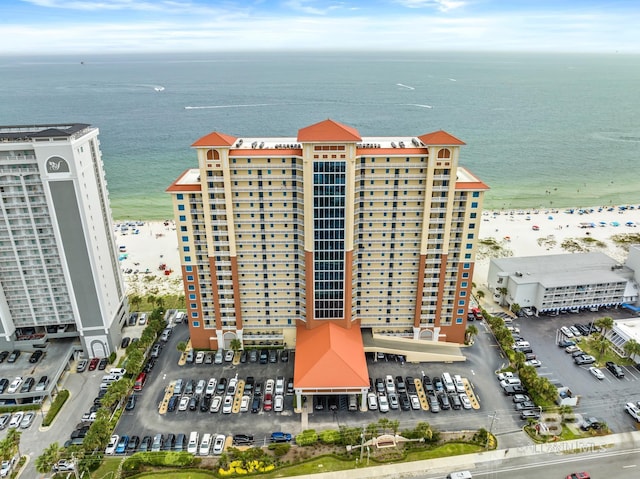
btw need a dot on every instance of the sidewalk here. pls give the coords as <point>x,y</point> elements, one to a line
<point>469,462</point>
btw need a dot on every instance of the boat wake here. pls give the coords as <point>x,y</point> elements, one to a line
<point>420,106</point>
<point>208,107</point>
<point>405,86</point>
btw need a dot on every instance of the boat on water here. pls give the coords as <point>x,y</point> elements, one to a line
<point>159,88</point>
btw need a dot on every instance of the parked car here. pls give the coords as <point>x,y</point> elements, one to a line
<point>145,444</point>
<point>216,403</point>
<point>102,364</point>
<point>529,414</point>
<point>113,442</point>
<point>597,373</point>
<point>27,385</point>
<point>228,355</point>
<point>585,359</point>
<point>13,357</point>
<point>242,440</point>
<point>615,369</point>
<point>121,447</point>
<point>218,443</point>
<point>93,364</point>
<point>27,419</point>
<point>280,437</point>
<point>4,420</point>
<point>134,441</point>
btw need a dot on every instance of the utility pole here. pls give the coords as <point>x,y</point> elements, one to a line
<point>362,445</point>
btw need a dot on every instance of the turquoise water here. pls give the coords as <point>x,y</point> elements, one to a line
<point>541,130</point>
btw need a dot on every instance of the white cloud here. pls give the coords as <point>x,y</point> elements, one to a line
<point>441,5</point>
<point>307,7</point>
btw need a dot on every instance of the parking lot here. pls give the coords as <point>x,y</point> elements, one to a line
<point>492,409</point>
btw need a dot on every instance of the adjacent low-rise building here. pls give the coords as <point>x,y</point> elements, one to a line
<point>553,283</point>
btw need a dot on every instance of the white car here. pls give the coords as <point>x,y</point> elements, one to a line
<point>15,385</point>
<point>268,386</point>
<point>372,401</point>
<point>505,375</point>
<point>280,385</point>
<point>184,403</point>
<point>216,402</point>
<point>211,387</point>
<point>200,387</point>
<point>228,355</point>
<point>389,384</point>
<point>113,443</point>
<point>27,419</point>
<point>510,382</point>
<point>596,372</point>
<point>227,406</point>
<point>199,357</point>
<point>16,419</point>
<point>218,444</point>
<point>464,399</point>
<point>244,404</point>
<point>566,331</point>
<point>278,403</point>
<point>533,362</point>
<point>383,403</point>
<point>415,402</point>
<point>571,349</point>
<point>205,445</point>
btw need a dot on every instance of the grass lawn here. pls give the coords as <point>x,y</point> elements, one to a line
<point>177,475</point>
<point>109,465</point>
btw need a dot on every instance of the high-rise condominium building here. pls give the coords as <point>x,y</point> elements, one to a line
<point>59,272</point>
<point>280,237</point>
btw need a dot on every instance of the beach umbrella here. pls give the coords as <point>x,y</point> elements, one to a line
<point>550,217</point>
<point>603,223</point>
<point>630,223</point>
<point>615,223</point>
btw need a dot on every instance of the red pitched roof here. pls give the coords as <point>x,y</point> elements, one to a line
<point>440,137</point>
<point>330,356</point>
<point>215,139</point>
<point>328,130</point>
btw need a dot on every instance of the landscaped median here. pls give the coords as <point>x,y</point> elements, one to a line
<point>55,407</point>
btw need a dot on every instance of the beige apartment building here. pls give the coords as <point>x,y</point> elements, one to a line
<point>315,238</point>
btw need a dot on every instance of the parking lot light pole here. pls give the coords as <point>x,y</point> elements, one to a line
<point>493,418</point>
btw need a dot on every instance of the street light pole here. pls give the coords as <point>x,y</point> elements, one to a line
<point>493,418</point>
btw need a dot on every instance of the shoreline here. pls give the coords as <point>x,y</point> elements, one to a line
<point>150,258</point>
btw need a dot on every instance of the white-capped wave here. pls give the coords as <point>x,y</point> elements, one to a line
<point>452,79</point>
<point>206,107</point>
<point>405,86</point>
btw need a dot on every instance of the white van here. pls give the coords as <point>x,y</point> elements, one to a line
<point>205,445</point>
<point>353,402</point>
<point>179,317</point>
<point>460,475</point>
<point>194,439</point>
<point>448,384</point>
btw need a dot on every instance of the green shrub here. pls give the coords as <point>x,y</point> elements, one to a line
<point>164,458</point>
<point>280,449</point>
<point>307,438</point>
<point>330,436</point>
<point>112,357</point>
<point>56,405</point>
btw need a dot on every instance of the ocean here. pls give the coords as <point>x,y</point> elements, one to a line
<point>542,130</point>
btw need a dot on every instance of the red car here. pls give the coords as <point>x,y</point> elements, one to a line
<point>268,402</point>
<point>93,364</point>
<point>579,475</point>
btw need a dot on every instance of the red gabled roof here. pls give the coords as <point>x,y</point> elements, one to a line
<point>330,356</point>
<point>215,139</point>
<point>328,130</point>
<point>440,137</point>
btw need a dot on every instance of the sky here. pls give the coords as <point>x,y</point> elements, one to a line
<point>120,26</point>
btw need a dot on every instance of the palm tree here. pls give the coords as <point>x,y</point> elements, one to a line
<point>135,301</point>
<point>479,294</point>
<point>470,333</point>
<point>235,344</point>
<point>13,438</point>
<point>601,344</point>
<point>632,348</point>
<point>46,460</point>
<point>503,293</point>
<point>606,323</point>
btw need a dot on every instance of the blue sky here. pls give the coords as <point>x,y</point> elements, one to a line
<point>114,26</point>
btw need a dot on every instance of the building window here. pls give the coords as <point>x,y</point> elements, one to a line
<point>180,196</point>
<point>185,249</point>
<point>183,229</point>
<point>185,239</point>
<point>180,207</point>
<point>188,269</point>
<point>187,259</point>
<point>474,204</point>
<point>192,297</point>
<point>189,277</point>
<point>476,194</point>
<point>196,324</point>
<point>182,218</point>
<point>458,320</point>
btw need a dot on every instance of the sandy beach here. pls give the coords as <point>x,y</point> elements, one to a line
<point>502,233</point>
<point>145,247</point>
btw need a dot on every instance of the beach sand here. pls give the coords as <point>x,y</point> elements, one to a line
<point>501,233</point>
<point>142,254</point>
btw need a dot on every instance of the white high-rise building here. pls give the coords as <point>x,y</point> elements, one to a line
<point>59,271</point>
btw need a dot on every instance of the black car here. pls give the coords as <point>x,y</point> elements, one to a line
<point>566,343</point>
<point>205,404</point>
<point>131,403</point>
<point>410,384</point>
<point>4,382</point>
<point>27,385</point>
<point>173,403</point>
<point>253,355</point>
<point>255,404</point>
<point>169,442</point>
<point>514,389</point>
<point>405,403</point>
<point>243,356</point>
<point>35,357</point>
<point>615,369</point>
<point>284,356</point>
<point>400,384</point>
<point>13,357</point>
<point>189,386</point>
<point>248,385</point>
<point>145,444</point>
<point>222,386</point>
<point>273,355</point>
<point>133,319</point>
<point>193,402</point>
<point>102,365</point>
<point>264,356</point>
<point>3,356</point>
<point>242,440</point>
<point>125,342</point>
<point>290,386</point>
<point>257,389</point>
